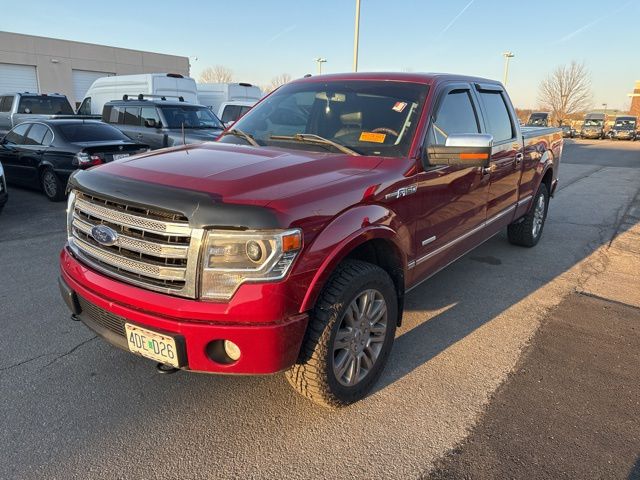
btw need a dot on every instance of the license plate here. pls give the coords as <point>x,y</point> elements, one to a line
<point>152,345</point>
<point>118,156</point>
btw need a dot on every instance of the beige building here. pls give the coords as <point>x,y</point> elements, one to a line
<point>48,65</point>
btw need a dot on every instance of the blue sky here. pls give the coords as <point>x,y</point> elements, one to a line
<point>259,40</point>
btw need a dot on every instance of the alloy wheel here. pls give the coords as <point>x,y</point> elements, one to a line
<point>360,337</point>
<point>538,216</point>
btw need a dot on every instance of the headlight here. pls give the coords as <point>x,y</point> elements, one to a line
<point>234,258</point>
<point>70,206</point>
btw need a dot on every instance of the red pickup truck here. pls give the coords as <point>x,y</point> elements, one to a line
<point>290,244</point>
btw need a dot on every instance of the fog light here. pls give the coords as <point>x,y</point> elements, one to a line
<point>232,350</point>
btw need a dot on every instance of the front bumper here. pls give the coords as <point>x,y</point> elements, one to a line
<point>623,135</point>
<point>267,344</point>
<point>591,134</point>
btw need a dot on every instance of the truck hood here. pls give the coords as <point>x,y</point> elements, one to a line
<point>238,174</point>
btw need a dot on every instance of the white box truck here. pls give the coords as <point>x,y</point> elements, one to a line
<point>229,101</point>
<point>168,85</point>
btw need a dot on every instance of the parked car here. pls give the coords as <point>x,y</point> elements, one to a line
<point>44,153</point>
<point>290,243</point>
<point>593,126</point>
<point>228,100</point>
<point>16,108</point>
<point>568,131</point>
<point>538,119</point>
<point>162,123</point>
<point>624,128</point>
<point>4,194</point>
<point>168,85</point>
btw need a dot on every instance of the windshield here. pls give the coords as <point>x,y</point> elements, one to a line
<point>45,106</point>
<point>592,122</point>
<point>625,123</point>
<point>191,117</point>
<point>91,132</point>
<point>368,117</point>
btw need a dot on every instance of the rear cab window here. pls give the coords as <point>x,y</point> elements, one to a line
<point>44,105</point>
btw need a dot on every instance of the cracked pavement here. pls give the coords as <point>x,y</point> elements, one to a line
<point>74,407</point>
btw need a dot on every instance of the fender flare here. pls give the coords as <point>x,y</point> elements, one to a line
<point>364,223</point>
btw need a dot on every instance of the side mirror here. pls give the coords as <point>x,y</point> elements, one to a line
<point>150,123</point>
<point>465,150</point>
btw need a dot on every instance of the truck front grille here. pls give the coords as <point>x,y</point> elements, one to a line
<point>155,249</point>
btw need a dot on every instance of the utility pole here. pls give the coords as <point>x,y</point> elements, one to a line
<point>356,37</point>
<point>320,61</point>
<point>507,56</point>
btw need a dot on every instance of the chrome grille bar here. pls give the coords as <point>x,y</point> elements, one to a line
<point>133,221</point>
<point>142,268</point>
<point>138,245</point>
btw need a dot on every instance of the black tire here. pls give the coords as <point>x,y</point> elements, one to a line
<point>51,185</point>
<point>523,232</point>
<point>313,376</point>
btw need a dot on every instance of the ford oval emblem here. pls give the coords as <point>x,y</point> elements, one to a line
<point>104,235</point>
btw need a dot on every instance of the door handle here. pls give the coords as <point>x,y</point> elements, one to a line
<point>519,158</point>
<point>139,135</point>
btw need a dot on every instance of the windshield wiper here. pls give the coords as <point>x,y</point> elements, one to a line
<point>239,133</point>
<point>317,139</point>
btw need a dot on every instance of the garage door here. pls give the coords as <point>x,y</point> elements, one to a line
<point>18,78</point>
<point>82,80</point>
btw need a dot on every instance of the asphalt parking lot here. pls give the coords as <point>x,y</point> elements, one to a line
<point>74,407</point>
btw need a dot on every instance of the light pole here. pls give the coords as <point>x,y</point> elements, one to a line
<point>356,37</point>
<point>507,56</point>
<point>320,61</point>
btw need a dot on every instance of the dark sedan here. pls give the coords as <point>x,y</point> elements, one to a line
<point>44,153</point>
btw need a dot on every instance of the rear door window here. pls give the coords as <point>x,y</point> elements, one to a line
<point>497,115</point>
<point>16,136</point>
<point>132,116</point>
<point>36,134</point>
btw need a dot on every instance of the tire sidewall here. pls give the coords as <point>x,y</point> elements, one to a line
<point>385,287</point>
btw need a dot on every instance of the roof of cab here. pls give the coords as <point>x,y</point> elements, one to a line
<point>424,78</point>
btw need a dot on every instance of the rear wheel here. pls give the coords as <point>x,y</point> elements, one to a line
<point>349,337</point>
<point>528,230</point>
<point>51,185</point>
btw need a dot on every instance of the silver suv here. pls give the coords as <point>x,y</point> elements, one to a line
<point>160,123</point>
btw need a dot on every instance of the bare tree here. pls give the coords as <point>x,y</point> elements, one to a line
<point>277,81</point>
<point>567,90</point>
<point>216,74</point>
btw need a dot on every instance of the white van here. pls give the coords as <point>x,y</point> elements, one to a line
<point>169,85</point>
<point>229,101</point>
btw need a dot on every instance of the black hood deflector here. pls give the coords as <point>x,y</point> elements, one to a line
<point>202,209</point>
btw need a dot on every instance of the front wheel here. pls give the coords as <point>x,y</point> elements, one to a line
<point>527,230</point>
<point>349,337</point>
